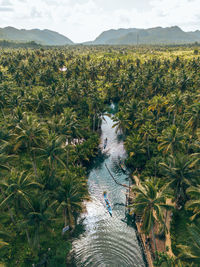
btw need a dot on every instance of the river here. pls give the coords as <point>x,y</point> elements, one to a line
<point>107,241</point>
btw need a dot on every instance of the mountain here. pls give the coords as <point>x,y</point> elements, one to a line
<point>106,36</point>
<point>158,35</point>
<point>44,37</point>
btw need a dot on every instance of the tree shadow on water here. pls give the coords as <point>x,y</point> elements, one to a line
<point>98,162</point>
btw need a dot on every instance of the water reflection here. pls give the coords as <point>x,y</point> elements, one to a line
<point>107,241</point>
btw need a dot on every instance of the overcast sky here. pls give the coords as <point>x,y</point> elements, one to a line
<point>83,20</point>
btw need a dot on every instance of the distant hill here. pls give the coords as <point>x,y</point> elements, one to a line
<point>158,35</point>
<point>44,37</point>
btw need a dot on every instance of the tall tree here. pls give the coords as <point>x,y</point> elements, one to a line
<point>181,173</point>
<point>150,202</point>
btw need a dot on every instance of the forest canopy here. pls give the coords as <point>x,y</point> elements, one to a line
<point>51,107</point>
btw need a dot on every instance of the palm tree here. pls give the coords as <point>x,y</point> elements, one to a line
<point>148,131</point>
<point>194,202</point>
<point>53,152</point>
<point>2,243</point>
<point>38,220</point>
<point>142,117</point>
<point>29,133</point>
<point>181,172</point>
<point>194,121</point>
<point>131,109</point>
<point>4,236</point>
<point>69,124</point>
<point>136,149</point>
<point>190,253</point>
<point>16,190</point>
<point>57,105</point>
<point>122,123</point>
<point>176,104</point>
<point>70,196</point>
<point>171,140</point>
<point>17,117</point>
<point>5,161</point>
<point>3,103</point>
<point>95,108</point>
<point>41,103</point>
<point>150,200</point>
<point>156,104</point>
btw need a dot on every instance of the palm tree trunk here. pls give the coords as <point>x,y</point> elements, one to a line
<point>99,121</point>
<point>28,237</point>
<point>166,220</point>
<point>94,122</point>
<point>154,240</point>
<point>70,216</point>
<point>67,157</point>
<point>65,217</point>
<point>148,151</point>
<point>174,119</point>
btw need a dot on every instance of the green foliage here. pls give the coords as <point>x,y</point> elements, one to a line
<point>50,117</point>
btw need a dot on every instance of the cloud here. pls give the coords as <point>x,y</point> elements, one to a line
<point>5,3</point>
<point>6,9</point>
<point>83,20</point>
<point>175,12</point>
<point>35,13</point>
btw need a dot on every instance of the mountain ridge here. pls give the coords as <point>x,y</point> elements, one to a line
<point>44,37</point>
<point>156,35</point>
<point>121,36</point>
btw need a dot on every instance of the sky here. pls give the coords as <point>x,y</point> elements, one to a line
<point>84,20</point>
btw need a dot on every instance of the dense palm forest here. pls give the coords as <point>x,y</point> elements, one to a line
<point>51,106</point>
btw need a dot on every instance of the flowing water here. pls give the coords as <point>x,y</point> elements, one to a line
<point>107,241</point>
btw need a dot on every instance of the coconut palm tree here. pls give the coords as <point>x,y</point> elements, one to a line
<point>122,123</point>
<point>53,151</point>
<point>194,203</point>
<point>194,114</point>
<point>171,140</point>
<point>136,149</point>
<point>37,220</point>
<point>150,201</point>
<point>2,243</point>
<point>131,109</point>
<point>190,253</point>
<point>3,103</point>
<point>5,161</point>
<point>142,117</point>
<point>148,131</point>
<point>176,104</point>
<point>57,105</point>
<point>29,134</point>
<point>16,191</point>
<point>40,103</point>
<point>181,172</point>
<point>70,195</point>
<point>69,124</point>
<point>156,104</point>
